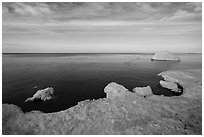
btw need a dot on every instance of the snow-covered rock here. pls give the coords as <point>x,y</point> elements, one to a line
<point>165,56</point>
<point>114,90</point>
<point>170,85</point>
<point>44,95</point>
<point>143,91</point>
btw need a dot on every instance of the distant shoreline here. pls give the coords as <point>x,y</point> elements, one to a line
<point>99,53</point>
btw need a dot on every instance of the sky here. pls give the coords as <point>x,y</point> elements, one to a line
<point>110,27</point>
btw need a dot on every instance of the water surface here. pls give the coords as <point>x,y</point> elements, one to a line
<point>76,77</point>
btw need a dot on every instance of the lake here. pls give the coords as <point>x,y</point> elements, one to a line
<point>77,77</point>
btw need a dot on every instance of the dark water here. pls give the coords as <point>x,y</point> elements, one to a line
<point>76,77</point>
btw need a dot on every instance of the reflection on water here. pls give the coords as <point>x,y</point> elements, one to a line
<point>76,77</point>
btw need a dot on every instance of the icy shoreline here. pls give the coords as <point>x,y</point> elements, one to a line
<point>121,112</point>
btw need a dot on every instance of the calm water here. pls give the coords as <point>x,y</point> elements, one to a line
<point>76,77</point>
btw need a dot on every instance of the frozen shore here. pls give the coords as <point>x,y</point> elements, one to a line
<point>121,112</point>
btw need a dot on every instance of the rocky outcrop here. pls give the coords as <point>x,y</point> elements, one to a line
<point>43,95</point>
<point>165,56</point>
<point>121,112</point>
<point>170,85</point>
<point>113,90</point>
<point>143,91</point>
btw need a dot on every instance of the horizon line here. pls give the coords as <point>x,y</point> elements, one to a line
<point>94,52</point>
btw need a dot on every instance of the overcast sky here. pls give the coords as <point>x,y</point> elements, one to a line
<point>101,27</point>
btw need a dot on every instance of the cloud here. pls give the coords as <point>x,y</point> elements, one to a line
<point>33,18</point>
<point>198,9</point>
<point>26,8</point>
<point>193,7</point>
<point>148,28</point>
<point>183,16</point>
<point>99,10</point>
<point>37,26</point>
<point>90,10</point>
